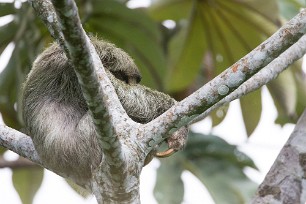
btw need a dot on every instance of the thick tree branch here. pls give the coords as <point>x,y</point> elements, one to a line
<point>45,10</point>
<point>21,144</point>
<point>16,164</point>
<point>212,92</point>
<point>18,143</point>
<point>117,179</point>
<point>285,182</point>
<point>96,87</point>
<point>270,72</point>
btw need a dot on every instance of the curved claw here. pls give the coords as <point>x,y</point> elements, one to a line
<point>166,153</point>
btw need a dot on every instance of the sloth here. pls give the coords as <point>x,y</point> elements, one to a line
<point>56,115</point>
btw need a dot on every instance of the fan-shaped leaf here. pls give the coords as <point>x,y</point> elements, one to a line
<point>284,94</point>
<point>228,29</point>
<point>300,78</point>
<point>169,186</point>
<point>6,34</point>
<point>225,182</point>
<point>133,31</point>
<point>78,189</point>
<point>170,9</point>
<point>251,110</point>
<point>14,73</point>
<point>187,44</point>
<point>300,81</point>
<point>6,9</point>
<point>2,150</point>
<point>219,166</point>
<point>8,91</point>
<point>26,182</point>
<point>218,115</point>
<point>201,146</point>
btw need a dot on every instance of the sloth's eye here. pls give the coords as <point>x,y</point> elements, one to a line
<point>138,78</point>
<point>121,76</point>
<point>133,79</point>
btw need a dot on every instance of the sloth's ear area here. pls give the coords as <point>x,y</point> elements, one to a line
<point>117,61</point>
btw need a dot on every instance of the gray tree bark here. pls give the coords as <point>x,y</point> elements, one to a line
<point>117,179</point>
<point>286,181</point>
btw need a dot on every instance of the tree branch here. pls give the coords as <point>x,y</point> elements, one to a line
<point>21,144</point>
<point>117,178</point>
<point>188,109</point>
<point>18,143</point>
<point>21,162</point>
<point>270,72</point>
<point>45,10</point>
<point>285,182</point>
<point>96,86</point>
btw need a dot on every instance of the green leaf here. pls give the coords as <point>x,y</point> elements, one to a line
<point>6,9</point>
<point>186,45</point>
<point>284,93</point>
<point>26,34</point>
<point>236,28</point>
<point>13,75</point>
<point>218,115</point>
<point>251,110</point>
<point>200,147</point>
<point>262,8</point>
<point>136,33</point>
<point>300,79</point>
<point>8,91</point>
<point>7,34</point>
<point>26,182</point>
<point>219,166</point>
<point>169,186</point>
<point>2,150</point>
<point>170,9</point>
<point>78,189</point>
<point>225,182</point>
<point>300,84</point>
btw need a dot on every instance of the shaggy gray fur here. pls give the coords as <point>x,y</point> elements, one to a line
<point>56,115</point>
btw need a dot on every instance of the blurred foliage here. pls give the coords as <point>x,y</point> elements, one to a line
<point>289,8</point>
<point>26,182</point>
<point>78,189</point>
<point>227,29</point>
<point>251,110</point>
<point>217,164</point>
<point>2,150</point>
<point>169,187</point>
<point>179,45</point>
